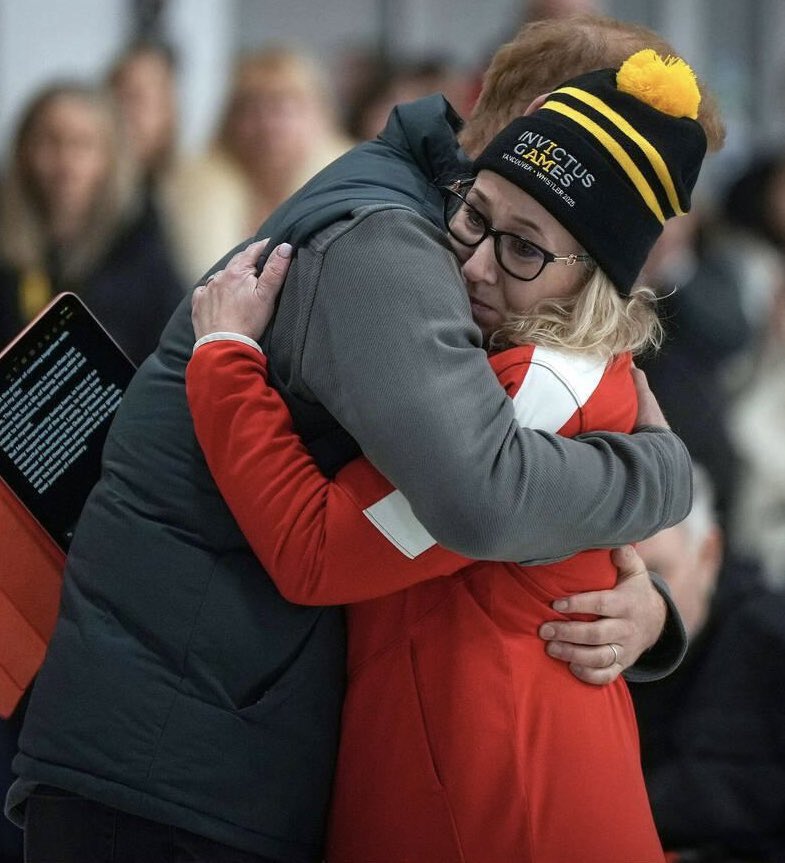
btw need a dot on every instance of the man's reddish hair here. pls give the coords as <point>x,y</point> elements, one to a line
<point>546,53</point>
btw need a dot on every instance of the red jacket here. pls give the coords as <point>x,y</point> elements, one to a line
<point>462,740</point>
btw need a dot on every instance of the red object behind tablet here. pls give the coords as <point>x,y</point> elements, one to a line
<point>31,566</point>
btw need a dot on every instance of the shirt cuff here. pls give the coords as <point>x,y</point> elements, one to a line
<point>234,337</point>
<point>666,654</point>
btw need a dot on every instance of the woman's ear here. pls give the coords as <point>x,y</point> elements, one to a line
<point>537,103</point>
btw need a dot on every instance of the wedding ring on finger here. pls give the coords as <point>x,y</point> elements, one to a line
<point>615,658</point>
<point>210,278</point>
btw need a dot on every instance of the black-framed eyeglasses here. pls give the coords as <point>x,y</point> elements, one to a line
<point>517,256</point>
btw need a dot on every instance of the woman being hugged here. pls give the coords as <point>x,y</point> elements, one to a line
<point>461,739</point>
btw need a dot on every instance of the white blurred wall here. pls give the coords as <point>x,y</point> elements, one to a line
<point>44,39</point>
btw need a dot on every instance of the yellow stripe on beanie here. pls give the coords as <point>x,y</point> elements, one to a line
<point>652,154</point>
<point>616,150</point>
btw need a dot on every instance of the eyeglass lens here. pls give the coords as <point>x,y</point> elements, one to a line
<point>516,255</point>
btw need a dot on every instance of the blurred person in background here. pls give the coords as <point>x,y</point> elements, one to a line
<point>700,290</point>
<point>73,219</point>
<point>277,131</point>
<point>751,229</point>
<point>712,740</point>
<point>143,80</point>
<point>758,432</point>
<point>719,275</point>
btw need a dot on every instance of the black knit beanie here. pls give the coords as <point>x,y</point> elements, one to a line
<point>612,155</point>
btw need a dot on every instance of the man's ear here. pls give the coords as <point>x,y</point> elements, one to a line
<point>537,103</point>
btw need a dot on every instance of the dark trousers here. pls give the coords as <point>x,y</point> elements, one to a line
<point>64,828</point>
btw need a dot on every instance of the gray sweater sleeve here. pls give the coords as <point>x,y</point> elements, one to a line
<point>667,653</point>
<point>392,353</point>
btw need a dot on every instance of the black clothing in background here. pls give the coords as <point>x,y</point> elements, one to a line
<point>132,291</point>
<point>705,327</point>
<point>713,733</point>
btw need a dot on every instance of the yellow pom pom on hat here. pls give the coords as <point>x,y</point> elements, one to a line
<point>612,154</point>
<point>667,84</point>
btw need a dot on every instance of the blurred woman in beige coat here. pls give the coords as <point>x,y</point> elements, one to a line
<point>278,130</point>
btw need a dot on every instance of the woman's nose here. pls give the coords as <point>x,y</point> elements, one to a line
<point>481,265</point>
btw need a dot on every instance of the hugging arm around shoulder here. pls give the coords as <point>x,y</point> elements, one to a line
<point>322,541</point>
<point>311,533</point>
<point>392,353</point>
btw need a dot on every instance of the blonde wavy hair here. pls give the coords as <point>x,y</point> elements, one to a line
<point>595,320</point>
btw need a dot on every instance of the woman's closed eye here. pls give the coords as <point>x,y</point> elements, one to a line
<point>522,250</point>
<point>473,219</point>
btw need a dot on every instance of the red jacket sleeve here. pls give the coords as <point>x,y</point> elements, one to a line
<point>310,533</point>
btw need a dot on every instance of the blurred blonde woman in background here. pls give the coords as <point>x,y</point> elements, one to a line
<point>278,130</point>
<point>143,80</point>
<point>72,219</point>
